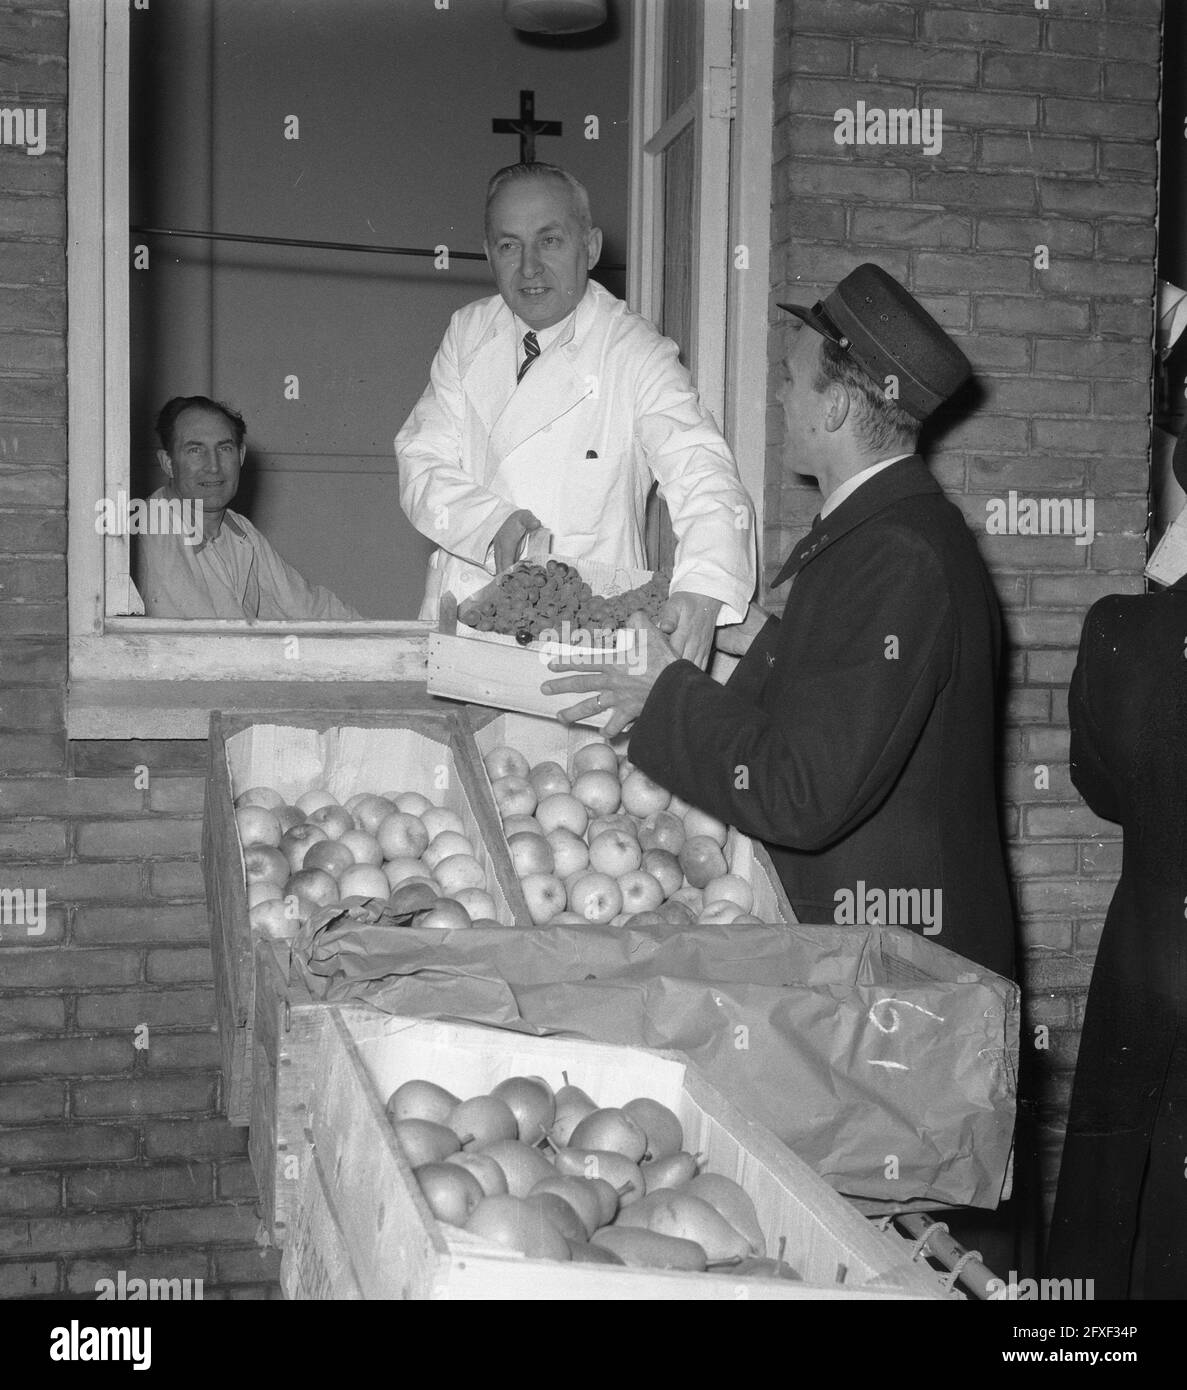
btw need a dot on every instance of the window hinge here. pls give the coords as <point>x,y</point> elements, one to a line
<point>723,84</point>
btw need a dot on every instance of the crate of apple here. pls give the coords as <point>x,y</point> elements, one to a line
<point>400,848</point>
<point>554,1176</point>
<point>601,843</point>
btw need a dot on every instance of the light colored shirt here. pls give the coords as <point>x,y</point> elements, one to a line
<point>235,575</point>
<point>850,485</point>
<point>545,337</point>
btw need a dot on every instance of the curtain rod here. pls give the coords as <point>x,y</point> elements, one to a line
<point>318,245</point>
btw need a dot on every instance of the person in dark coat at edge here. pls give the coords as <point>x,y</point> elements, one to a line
<point>1121,1203</point>
<point>856,736</point>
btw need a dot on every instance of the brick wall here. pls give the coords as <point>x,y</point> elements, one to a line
<point>112,1155</point>
<point>1049,124</point>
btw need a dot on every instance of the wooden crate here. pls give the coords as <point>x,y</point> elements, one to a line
<point>548,740</point>
<point>415,750</point>
<point>385,1243</point>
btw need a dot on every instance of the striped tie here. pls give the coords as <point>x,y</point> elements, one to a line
<point>532,348</point>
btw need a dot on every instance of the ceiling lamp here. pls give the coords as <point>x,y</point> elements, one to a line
<point>554,16</point>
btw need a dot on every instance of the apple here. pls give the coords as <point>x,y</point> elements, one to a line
<point>677,913</point>
<point>619,921</point>
<point>314,885</point>
<point>702,860</point>
<point>334,820</point>
<point>562,809</point>
<point>544,894</point>
<point>273,919</point>
<point>643,797</point>
<point>402,834</point>
<point>288,816</point>
<point>614,853</point>
<point>731,888</point>
<point>570,853</point>
<point>486,923</point>
<point>444,914</point>
<point>598,790</point>
<point>363,881</point>
<point>521,825</point>
<point>596,897</point>
<point>263,864</point>
<point>619,821</point>
<point>413,895</point>
<point>257,826</point>
<point>549,779</point>
<point>371,812</point>
<point>459,871</point>
<point>625,768</point>
<point>678,806</point>
<point>749,919</point>
<point>266,797</point>
<point>531,854</point>
<point>330,855</point>
<point>514,796</point>
<point>311,801</point>
<point>411,803</point>
<point>505,762</point>
<point>264,890</point>
<point>663,866</point>
<point>364,847</point>
<point>403,867</point>
<point>568,919</point>
<point>352,803</point>
<point>597,756</point>
<point>714,914</point>
<point>692,898</point>
<point>297,841</point>
<point>443,845</point>
<point>647,919</point>
<point>641,892</point>
<point>663,830</point>
<point>702,823</point>
<point>477,902</point>
<point>436,820</point>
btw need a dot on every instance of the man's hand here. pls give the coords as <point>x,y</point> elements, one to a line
<point>690,619</point>
<point>510,535</point>
<point>735,638</point>
<point>622,684</point>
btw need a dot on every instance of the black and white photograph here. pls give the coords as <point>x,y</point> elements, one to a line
<point>593,664</point>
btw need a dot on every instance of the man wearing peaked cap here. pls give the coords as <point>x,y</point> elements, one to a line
<point>856,736</point>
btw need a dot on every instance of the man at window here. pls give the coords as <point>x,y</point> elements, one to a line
<point>552,403</point>
<point>227,569</point>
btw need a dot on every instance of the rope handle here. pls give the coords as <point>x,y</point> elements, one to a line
<point>940,1227</point>
<point>948,1280</point>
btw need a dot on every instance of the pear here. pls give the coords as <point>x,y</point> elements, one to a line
<point>753,1268</point>
<point>420,1100</point>
<point>580,1195</point>
<point>559,1212</point>
<point>673,1171</point>
<point>513,1224</point>
<point>522,1166</point>
<point>572,1106</point>
<point>451,1192</point>
<point>532,1102</point>
<point>425,1142</point>
<point>485,1169</point>
<point>611,1131</point>
<point>649,1250</point>
<point>733,1202</point>
<point>607,1199</point>
<point>676,1214</point>
<point>622,1175</point>
<point>665,1133</point>
<point>481,1121</point>
<point>581,1252</point>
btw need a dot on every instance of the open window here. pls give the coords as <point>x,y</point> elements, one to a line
<point>132,676</point>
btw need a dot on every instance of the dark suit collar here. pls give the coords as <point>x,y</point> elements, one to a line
<point>906,478</point>
<point>1180,585</point>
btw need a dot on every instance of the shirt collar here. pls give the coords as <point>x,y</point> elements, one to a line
<point>544,336</point>
<point>850,485</point>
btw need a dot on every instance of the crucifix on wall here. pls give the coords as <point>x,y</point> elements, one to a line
<point>526,127</point>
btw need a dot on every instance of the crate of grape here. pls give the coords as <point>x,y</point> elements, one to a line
<point>593,839</point>
<point>493,648</point>
<point>454,1162</point>
<point>313,811</point>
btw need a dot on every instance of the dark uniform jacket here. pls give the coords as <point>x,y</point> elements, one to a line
<point>856,737</point>
<point>1127,1123</point>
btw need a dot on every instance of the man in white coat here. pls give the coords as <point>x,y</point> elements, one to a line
<point>552,403</point>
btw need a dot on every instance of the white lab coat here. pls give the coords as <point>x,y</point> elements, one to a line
<point>605,408</point>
